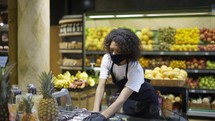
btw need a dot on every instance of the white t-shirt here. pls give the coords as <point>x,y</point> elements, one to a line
<point>135,73</point>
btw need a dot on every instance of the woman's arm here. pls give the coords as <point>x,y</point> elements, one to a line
<point>99,95</point>
<point>114,107</point>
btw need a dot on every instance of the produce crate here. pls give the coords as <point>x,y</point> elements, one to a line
<point>171,83</point>
<point>83,98</point>
<point>200,105</point>
<point>213,106</point>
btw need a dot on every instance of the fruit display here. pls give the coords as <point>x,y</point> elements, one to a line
<point>209,47</point>
<point>166,38</point>
<point>4,93</point>
<point>201,103</point>
<point>178,64</point>
<point>210,64</point>
<point>166,73</point>
<point>207,82</point>
<point>195,63</point>
<point>71,62</point>
<point>183,47</point>
<point>146,36</point>
<point>144,62</point>
<point>93,59</point>
<point>207,35</point>
<point>192,83</point>
<point>95,37</point>
<point>48,106</point>
<point>28,105</point>
<point>80,80</point>
<point>187,36</point>
<point>70,45</point>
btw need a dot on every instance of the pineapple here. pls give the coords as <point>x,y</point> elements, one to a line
<point>4,93</point>
<point>48,107</point>
<point>28,105</point>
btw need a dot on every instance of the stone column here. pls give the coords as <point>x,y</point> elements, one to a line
<point>33,41</point>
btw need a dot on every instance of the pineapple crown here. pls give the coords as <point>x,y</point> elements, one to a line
<point>28,104</point>
<point>47,85</point>
<point>4,83</point>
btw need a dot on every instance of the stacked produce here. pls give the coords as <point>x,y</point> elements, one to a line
<point>192,83</point>
<point>146,36</point>
<point>93,59</point>
<point>209,47</point>
<point>187,36</point>
<point>207,82</point>
<point>178,64</point>
<point>210,64</point>
<point>144,62</point>
<point>207,35</point>
<point>195,63</point>
<point>184,47</point>
<point>201,103</point>
<point>166,38</point>
<point>80,80</point>
<point>95,37</point>
<point>166,73</point>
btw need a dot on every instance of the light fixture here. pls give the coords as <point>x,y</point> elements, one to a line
<point>1,21</point>
<point>176,14</point>
<point>102,16</point>
<point>129,15</point>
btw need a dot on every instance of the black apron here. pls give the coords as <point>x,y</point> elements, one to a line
<point>144,103</point>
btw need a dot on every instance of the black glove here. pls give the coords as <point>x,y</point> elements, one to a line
<point>95,117</point>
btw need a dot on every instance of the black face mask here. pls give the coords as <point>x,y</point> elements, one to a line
<point>118,58</point>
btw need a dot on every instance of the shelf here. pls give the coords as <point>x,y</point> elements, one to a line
<point>70,68</point>
<point>3,52</point>
<point>70,51</point>
<point>71,34</point>
<point>89,52</point>
<point>200,71</point>
<point>202,91</point>
<point>64,21</point>
<point>198,112</point>
<point>161,53</point>
<point>177,53</point>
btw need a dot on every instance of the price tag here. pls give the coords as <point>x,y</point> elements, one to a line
<point>196,71</point>
<point>204,91</point>
<point>161,53</point>
<point>206,53</point>
<point>3,61</point>
<point>186,53</point>
<point>193,91</point>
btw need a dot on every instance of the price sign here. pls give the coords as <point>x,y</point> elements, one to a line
<point>3,61</point>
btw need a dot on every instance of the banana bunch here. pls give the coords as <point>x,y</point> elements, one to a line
<point>63,80</point>
<point>79,80</point>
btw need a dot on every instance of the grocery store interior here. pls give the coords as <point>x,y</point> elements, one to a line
<point>65,38</point>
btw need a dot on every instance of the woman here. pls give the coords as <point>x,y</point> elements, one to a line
<point>136,96</point>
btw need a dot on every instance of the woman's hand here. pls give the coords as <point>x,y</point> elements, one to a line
<point>114,107</point>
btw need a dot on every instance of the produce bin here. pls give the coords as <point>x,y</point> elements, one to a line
<point>171,83</point>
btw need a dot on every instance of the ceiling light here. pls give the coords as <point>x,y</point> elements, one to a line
<point>129,15</point>
<point>176,14</point>
<point>1,24</point>
<point>102,16</point>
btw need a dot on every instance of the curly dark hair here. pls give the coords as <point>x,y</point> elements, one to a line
<point>127,41</point>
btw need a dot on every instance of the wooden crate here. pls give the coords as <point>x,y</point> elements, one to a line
<point>213,106</point>
<point>83,98</point>
<point>200,105</point>
<point>171,83</point>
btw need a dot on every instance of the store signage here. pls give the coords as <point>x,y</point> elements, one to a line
<point>3,61</point>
